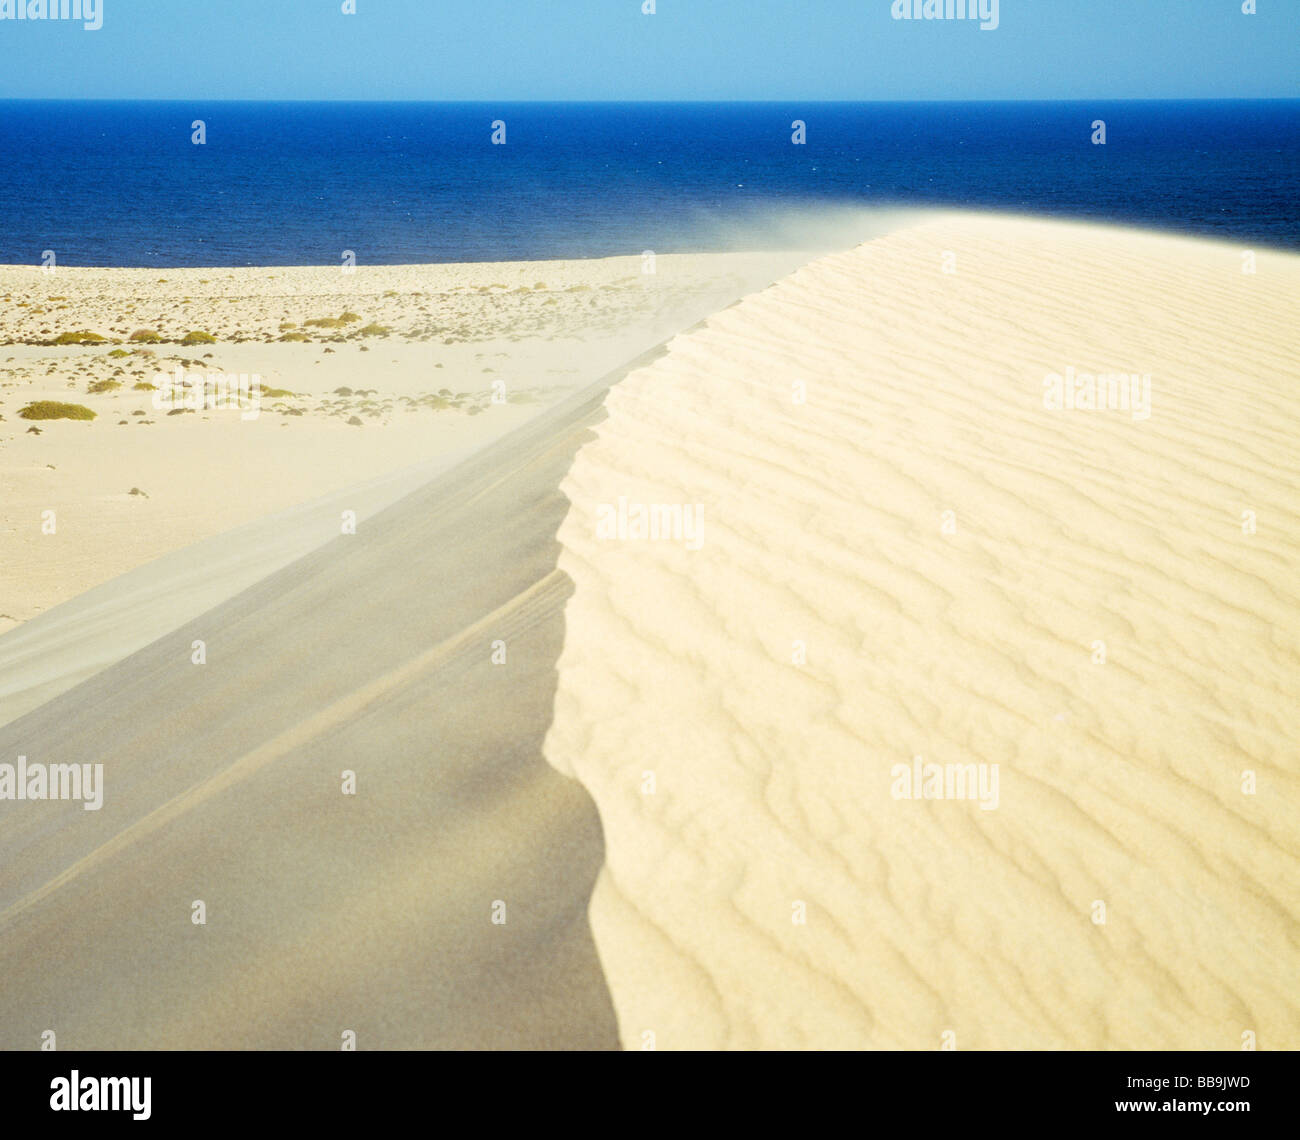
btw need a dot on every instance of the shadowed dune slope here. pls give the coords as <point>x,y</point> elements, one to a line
<point>327,912</point>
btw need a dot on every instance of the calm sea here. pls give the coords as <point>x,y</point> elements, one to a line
<point>105,183</point>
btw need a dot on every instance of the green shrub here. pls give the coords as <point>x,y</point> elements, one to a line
<point>82,337</point>
<point>296,336</point>
<point>349,317</point>
<point>119,352</point>
<point>196,337</point>
<point>145,336</point>
<point>97,387</point>
<point>373,329</point>
<point>323,323</point>
<point>53,410</point>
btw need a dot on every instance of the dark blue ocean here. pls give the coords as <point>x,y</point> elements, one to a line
<point>106,183</point>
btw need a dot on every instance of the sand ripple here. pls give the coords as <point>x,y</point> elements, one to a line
<point>823,524</point>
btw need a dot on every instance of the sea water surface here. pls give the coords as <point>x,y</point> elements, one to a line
<point>121,183</point>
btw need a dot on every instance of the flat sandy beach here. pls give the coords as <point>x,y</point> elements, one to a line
<point>640,788</point>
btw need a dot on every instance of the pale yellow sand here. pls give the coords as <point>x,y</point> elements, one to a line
<point>1120,783</point>
<point>822,524</point>
<point>538,329</point>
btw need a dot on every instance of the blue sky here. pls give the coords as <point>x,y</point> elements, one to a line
<point>690,49</point>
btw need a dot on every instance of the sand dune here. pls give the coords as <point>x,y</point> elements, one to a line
<point>918,559</point>
<point>326,912</point>
<point>63,646</point>
<point>823,526</point>
<point>371,653</point>
<point>228,501</point>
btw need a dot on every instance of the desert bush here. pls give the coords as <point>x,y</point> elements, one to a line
<point>84,336</point>
<point>54,410</point>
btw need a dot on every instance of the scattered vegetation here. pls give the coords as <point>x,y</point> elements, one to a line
<point>145,336</point>
<point>295,336</point>
<point>54,410</point>
<point>349,317</point>
<point>98,387</point>
<point>374,329</point>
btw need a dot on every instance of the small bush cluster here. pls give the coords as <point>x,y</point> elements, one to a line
<point>54,410</point>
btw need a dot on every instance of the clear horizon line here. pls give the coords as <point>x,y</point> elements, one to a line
<point>654,102</point>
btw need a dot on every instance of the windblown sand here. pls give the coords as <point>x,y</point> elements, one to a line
<point>439,360</point>
<point>744,783</point>
<point>896,551</point>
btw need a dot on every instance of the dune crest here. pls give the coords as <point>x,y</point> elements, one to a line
<point>928,558</point>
